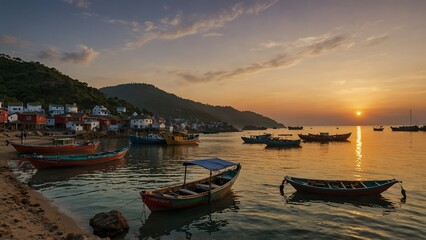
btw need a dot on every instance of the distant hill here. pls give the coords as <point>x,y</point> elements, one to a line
<point>34,82</point>
<point>171,106</point>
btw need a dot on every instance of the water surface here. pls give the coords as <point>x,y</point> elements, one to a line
<point>254,209</point>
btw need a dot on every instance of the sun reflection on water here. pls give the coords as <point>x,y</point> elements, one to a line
<point>358,150</point>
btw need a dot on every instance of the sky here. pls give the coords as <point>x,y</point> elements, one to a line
<point>299,62</point>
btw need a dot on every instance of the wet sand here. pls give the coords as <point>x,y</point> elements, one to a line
<point>24,212</point>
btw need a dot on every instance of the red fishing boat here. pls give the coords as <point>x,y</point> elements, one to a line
<point>59,145</point>
<point>40,161</point>
<point>340,187</point>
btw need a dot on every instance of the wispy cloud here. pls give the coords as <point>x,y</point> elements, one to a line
<point>304,48</point>
<point>83,55</point>
<point>213,34</point>
<point>79,3</point>
<point>6,39</point>
<point>133,25</point>
<point>176,27</point>
<point>375,40</point>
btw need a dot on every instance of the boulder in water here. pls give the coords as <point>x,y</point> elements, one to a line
<point>108,224</point>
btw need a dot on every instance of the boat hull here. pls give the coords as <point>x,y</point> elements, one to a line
<point>405,128</point>
<point>52,149</point>
<point>283,143</point>
<point>158,202</point>
<point>374,189</point>
<point>40,162</point>
<point>324,138</point>
<point>172,140</point>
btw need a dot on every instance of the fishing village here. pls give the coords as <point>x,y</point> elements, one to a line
<point>256,119</point>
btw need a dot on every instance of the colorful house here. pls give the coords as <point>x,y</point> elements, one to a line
<point>17,107</point>
<point>55,109</point>
<point>32,120</point>
<point>71,108</point>
<point>138,122</point>
<point>34,107</point>
<point>100,110</point>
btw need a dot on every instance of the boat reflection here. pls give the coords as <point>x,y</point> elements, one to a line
<point>51,175</point>
<point>376,201</point>
<point>209,219</point>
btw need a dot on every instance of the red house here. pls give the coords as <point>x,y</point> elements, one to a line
<point>32,120</point>
<point>3,116</point>
<point>62,119</point>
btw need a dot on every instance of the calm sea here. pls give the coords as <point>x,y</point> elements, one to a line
<point>255,209</point>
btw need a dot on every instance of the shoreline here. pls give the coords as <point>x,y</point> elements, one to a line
<point>26,213</point>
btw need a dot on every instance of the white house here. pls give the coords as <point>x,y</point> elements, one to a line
<point>13,118</point>
<point>74,126</point>
<point>115,127</point>
<point>35,107</point>
<point>121,110</point>
<point>140,122</point>
<point>100,110</point>
<point>15,107</point>
<point>91,124</point>
<point>55,109</point>
<point>1,104</point>
<point>71,108</point>
<point>50,121</point>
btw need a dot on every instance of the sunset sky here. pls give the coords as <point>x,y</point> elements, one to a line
<point>305,62</point>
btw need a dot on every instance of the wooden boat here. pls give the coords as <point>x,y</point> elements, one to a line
<point>283,141</point>
<point>405,128</point>
<point>381,128</point>
<point>340,187</point>
<point>324,137</point>
<point>181,138</point>
<point>257,138</point>
<point>58,146</point>
<point>295,127</point>
<point>151,138</point>
<point>198,192</point>
<point>40,161</point>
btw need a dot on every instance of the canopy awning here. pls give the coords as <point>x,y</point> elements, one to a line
<point>213,164</point>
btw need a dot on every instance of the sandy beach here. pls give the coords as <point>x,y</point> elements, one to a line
<point>24,212</point>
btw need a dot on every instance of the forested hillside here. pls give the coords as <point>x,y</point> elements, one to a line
<point>171,106</point>
<point>34,82</point>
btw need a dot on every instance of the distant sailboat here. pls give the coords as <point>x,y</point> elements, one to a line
<point>406,128</point>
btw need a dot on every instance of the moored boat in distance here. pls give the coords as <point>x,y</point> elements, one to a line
<point>405,128</point>
<point>58,146</point>
<point>380,128</point>
<point>324,137</point>
<point>41,162</point>
<point>181,138</point>
<point>262,138</point>
<point>150,138</point>
<point>340,187</point>
<point>295,127</point>
<point>422,128</point>
<point>198,192</point>
<point>283,141</point>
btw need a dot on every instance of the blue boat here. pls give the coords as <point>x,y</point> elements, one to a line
<point>151,138</point>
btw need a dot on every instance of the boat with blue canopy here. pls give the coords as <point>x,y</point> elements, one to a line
<point>198,192</point>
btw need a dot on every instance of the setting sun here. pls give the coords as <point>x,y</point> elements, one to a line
<point>358,113</point>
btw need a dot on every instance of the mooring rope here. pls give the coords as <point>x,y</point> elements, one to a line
<point>128,203</point>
